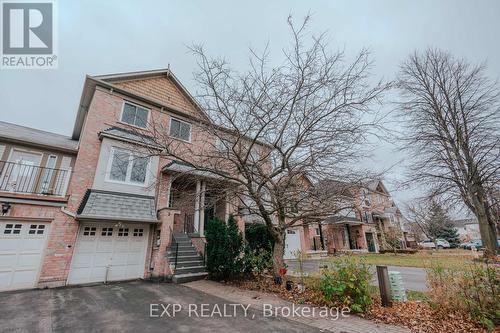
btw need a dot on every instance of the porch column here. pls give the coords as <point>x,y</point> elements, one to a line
<point>202,208</point>
<point>197,206</point>
<point>226,216</point>
<point>169,190</point>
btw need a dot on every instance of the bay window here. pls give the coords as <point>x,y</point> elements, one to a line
<point>127,167</point>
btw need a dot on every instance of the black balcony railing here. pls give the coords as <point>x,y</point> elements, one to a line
<point>30,179</point>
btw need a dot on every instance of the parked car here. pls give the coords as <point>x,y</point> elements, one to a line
<point>441,244</point>
<point>477,243</point>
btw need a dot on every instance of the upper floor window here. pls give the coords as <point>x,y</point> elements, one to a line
<point>180,129</point>
<point>127,167</point>
<point>135,115</point>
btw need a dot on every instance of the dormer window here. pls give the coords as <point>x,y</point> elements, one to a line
<point>135,115</point>
<point>180,129</point>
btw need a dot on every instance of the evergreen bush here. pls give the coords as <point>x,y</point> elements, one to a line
<point>224,246</point>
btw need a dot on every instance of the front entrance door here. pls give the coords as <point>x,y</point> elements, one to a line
<point>371,242</point>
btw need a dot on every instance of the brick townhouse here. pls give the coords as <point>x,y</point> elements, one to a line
<point>89,208</point>
<point>364,226</point>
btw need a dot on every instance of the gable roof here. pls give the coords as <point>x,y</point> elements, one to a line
<point>373,185</point>
<point>21,134</point>
<point>112,82</point>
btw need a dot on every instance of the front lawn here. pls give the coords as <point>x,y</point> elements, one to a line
<point>445,258</point>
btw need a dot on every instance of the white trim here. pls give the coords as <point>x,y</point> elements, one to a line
<point>197,206</point>
<point>136,105</point>
<point>44,249</point>
<point>129,168</point>
<point>201,228</point>
<point>182,121</point>
<point>24,151</point>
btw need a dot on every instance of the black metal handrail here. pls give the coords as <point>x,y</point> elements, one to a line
<point>25,178</point>
<point>173,244</point>
<point>205,254</point>
<point>176,254</point>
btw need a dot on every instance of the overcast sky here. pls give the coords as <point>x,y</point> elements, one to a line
<point>99,37</point>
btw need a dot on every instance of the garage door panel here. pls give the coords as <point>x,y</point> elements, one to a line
<point>102,259</point>
<point>134,259</point>
<point>87,246</point>
<point>21,253</point>
<point>105,245</point>
<point>82,260</point>
<point>119,259</point>
<point>31,244</point>
<point>113,253</point>
<point>29,260</point>
<point>121,246</point>
<point>98,274</point>
<point>5,278</point>
<point>136,246</point>
<point>8,260</point>
<point>24,278</point>
<point>9,244</point>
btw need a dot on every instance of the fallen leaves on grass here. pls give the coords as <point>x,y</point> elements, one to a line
<point>420,317</point>
<point>415,315</point>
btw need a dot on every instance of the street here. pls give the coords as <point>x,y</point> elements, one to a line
<point>414,278</point>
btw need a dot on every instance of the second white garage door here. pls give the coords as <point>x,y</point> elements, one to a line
<point>292,243</point>
<point>109,252</point>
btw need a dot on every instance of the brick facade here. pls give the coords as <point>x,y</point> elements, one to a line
<point>104,111</point>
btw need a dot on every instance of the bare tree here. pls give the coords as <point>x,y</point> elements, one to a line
<point>451,114</point>
<point>432,219</point>
<point>275,133</point>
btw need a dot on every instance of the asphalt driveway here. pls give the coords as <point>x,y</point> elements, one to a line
<point>126,307</point>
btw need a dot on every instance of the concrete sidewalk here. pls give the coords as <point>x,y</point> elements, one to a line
<point>350,324</point>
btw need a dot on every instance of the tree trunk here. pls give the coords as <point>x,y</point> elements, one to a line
<point>486,223</point>
<point>487,231</point>
<point>278,252</point>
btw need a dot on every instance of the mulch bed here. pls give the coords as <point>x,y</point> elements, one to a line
<point>415,315</point>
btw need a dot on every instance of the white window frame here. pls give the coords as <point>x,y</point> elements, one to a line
<point>129,168</point>
<point>182,121</point>
<point>46,173</point>
<point>137,106</point>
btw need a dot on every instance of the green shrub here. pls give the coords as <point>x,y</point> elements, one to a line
<point>258,249</point>
<point>347,283</point>
<point>256,261</point>
<point>258,237</point>
<point>224,245</point>
<point>473,290</point>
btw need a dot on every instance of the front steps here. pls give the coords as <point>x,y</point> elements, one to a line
<point>190,265</point>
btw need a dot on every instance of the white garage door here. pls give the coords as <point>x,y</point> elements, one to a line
<point>109,252</point>
<point>292,243</point>
<point>21,250</point>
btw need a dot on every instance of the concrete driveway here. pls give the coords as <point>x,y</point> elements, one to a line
<point>125,307</point>
<point>414,278</point>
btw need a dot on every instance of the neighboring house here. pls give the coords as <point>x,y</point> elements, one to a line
<point>96,206</point>
<point>365,225</point>
<point>467,229</point>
